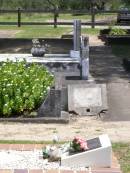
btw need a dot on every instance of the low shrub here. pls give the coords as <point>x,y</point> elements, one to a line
<point>118,31</point>
<point>22,87</point>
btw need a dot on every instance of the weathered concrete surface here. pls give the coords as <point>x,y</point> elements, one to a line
<point>107,68</point>
<point>119,102</point>
<point>87,99</point>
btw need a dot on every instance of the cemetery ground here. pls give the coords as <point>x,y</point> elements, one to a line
<point>87,127</point>
<point>116,126</point>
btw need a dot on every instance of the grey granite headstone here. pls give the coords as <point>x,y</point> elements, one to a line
<point>84,42</point>
<point>85,57</point>
<point>51,107</point>
<point>87,99</point>
<point>85,68</point>
<point>77,35</point>
<point>55,104</point>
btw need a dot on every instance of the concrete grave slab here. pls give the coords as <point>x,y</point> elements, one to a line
<point>87,99</point>
<point>48,58</point>
<point>99,154</point>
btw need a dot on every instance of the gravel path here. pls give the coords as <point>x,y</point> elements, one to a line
<point>30,159</point>
<point>21,160</point>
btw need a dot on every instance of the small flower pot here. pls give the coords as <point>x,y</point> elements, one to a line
<point>38,51</point>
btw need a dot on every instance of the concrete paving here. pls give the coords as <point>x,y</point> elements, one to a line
<point>107,68</point>
<point>119,102</point>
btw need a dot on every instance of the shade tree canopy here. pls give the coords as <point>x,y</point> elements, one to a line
<point>63,4</point>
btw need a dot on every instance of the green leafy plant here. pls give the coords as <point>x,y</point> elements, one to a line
<point>22,87</point>
<point>118,31</point>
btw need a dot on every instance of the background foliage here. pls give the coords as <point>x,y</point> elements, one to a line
<point>63,4</point>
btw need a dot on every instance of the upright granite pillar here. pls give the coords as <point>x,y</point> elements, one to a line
<point>77,35</point>
<point>75,53</point>
<point>85,57</point>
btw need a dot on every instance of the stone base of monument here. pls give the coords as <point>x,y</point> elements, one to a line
<point>55,104</point>
<point>74,54</point>
<point>98,155</point>
<point>87,99</point>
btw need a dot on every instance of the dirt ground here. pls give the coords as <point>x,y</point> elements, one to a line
<point>87,127</point>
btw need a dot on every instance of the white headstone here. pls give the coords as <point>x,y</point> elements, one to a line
<point>98,157</point>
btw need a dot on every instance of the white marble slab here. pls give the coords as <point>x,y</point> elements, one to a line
<point>65,58</point>
<point>99,157</point>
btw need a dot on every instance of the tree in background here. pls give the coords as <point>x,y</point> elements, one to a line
<point>63,4</point>
<point>114,5</point>
<point>79,4</point>
<point>127,3</point>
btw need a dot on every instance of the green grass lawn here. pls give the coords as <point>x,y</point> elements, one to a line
<point>37,31</point>
<point>86,17</point>
<point>45,31</point>
<point>41,31</point>
<point>90,31</point>
<point>35,17</point>
<point>122,152</point>
<point>42,17</point>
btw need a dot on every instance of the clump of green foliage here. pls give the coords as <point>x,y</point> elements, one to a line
<point>118,31</point>
<point>22,87</point>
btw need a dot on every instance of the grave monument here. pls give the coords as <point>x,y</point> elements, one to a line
<point>85,57</point>
<point>57,99</point>
<point>98,155</point>
<point>81,96</point>
<point>87,99</point>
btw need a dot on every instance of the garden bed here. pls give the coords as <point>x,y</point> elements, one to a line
<point>104,32</point>
<point>114,39</point>
<point>28,94</point>
<point>23,88</point>
<point>118,39</point>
